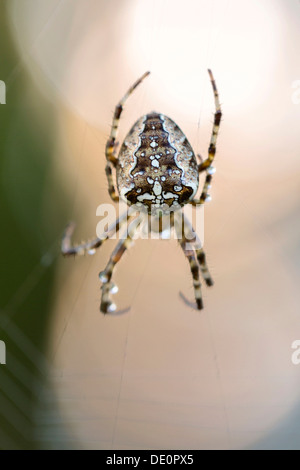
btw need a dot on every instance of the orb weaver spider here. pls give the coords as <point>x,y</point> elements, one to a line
<point>157,173</point>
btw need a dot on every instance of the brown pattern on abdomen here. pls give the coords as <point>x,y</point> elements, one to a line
<point>155,179</point>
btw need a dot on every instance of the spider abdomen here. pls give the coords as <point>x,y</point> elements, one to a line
<point>157,167</point>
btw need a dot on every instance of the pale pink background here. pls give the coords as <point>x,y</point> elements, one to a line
<point>164,375</point>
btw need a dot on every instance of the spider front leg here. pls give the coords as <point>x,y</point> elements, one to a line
<point>205,197</point>
<point>206,164</point>
<point>108,288</point>
<point>111,144</point>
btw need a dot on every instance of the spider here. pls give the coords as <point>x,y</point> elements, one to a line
<point>157,174</point>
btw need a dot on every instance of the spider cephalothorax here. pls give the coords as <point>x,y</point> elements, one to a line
<point>157,173</point>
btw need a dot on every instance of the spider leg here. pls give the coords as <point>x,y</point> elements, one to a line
<point>216,126</point>
<point>204,197</point>
<point>111,142</point>
<point>197,245</point>
<point>89,247</point>
<point>206,164</point>
<point>189,252</point>
<point>111,187</point>
<point>203,266</point>
<point>207,183</point>
<point>108,287</point>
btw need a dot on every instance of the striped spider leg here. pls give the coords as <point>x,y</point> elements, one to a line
<point>206,164</point>
<point>67,249</point>
<point>191,246</point>
<point>110,149</point>
<point>205,197</point>
<point>108,287</point>
<point>90,247</point>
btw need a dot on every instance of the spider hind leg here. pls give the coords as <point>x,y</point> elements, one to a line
<point>203,267</point>
<point>191,246</point>
<point>190,255</point>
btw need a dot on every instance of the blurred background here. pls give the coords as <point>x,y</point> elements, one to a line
<point>161,375</point>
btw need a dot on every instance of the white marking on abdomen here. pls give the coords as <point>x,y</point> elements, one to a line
<point>157,188</point>
<point>170,195</point>
<point>126,189</point>
<point>155,163</point>
<point>145,196</point>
